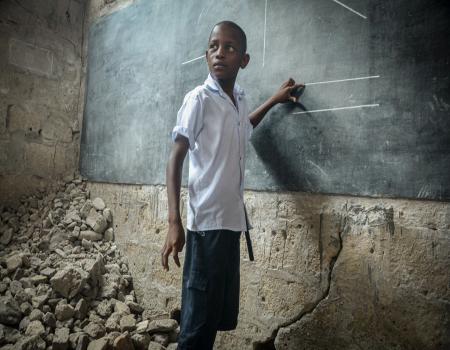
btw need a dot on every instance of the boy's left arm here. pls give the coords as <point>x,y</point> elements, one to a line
<point>283,95</point>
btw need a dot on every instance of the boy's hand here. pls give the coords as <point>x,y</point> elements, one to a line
<point>175,240</point>
<point>284,94</point>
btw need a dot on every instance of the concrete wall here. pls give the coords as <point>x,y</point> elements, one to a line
<point>331,272</point>
<point>40,60</point>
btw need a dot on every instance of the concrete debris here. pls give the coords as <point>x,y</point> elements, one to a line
<point>63,282</point>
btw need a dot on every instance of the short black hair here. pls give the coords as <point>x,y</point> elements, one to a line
<point>243,37</point>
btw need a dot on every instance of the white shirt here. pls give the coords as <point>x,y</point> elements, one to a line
<point>218,133</point>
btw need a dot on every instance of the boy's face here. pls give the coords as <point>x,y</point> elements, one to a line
<point>225,53</point>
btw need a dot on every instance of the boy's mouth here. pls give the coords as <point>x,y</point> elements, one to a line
<point>219,65</point>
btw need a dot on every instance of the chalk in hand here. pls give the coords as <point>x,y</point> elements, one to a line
<point>298,92</point>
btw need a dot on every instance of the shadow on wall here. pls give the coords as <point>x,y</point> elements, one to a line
<point>283,142</point>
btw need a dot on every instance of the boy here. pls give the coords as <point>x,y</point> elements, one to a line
<point>214,125</point>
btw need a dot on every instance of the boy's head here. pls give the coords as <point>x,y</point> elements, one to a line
<point>226,51</point>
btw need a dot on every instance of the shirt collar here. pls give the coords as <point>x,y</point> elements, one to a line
<point>213,85</point>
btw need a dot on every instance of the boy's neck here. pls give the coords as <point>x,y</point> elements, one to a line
<point>227,86</point>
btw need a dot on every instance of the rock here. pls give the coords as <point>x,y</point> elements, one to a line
<point>90,236</point>
<point>69,281</point>
<point>163,325</point>
<point>96,221</point>
<point>85,209</point>
<point>24,323</point>
<point>142,326</point>
<point>128,323</point>
<point>6,236</point>
<point>99,344</point>
<point>39,300</point>
<point>155,346</point>
<point>105,308</point>
<point>95,330</point>
<point>9,334</point>
<point>61,339</point>
<point>13,262</point>
<point>112,323</point>
<point>38,279</point>
<point>161,338</point>
<point>64,312</point>
<point>49,319</point>
<point>121,308</point>
<point>15,287</point>
<point>83,341</point>
<point>109,235</point>
<point>107,214</point>
<point>98,203</point>
<point>48,271</point>
<point>172,346</point>
<point>86,244</point>
<point>173,335</point>
<point>35,315</point>
<point>141,341</point>
<point>35,328</point>
<point>71,216</point>
<point>30,343</point>
<point>10,313</point>
<point>81,309</point>
<point>26,308</point>
<point>95,268</point>
<point>135,307</point>
<point>123,342</point>
<point>109,286</point>
<point>57,236</point>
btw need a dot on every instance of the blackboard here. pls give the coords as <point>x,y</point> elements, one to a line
<point>373,120</point>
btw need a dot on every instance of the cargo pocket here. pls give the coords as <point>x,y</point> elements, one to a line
<point>197,281</point>
<point>196,301</point>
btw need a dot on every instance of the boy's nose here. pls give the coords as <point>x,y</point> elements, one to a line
<point>221,51</point>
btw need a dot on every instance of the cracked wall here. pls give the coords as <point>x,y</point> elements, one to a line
<point>40,56</point>
<point>330,272</point>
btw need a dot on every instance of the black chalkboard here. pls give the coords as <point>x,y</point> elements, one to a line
<point>373,119</point>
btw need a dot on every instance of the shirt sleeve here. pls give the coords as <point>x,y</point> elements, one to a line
<point>189,119</point>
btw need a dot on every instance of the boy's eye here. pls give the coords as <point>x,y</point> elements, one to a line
<point>231,48</point>
<point>213,46</point>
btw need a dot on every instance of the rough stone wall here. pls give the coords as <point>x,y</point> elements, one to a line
<point>331,272</point>
<point>40,60</point>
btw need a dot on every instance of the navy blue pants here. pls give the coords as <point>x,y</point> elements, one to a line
<point>210,290</point>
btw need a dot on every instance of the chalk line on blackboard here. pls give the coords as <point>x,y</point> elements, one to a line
<point>350,9</point>
<point>264,40</point>
<point>341,80</point>
<point>194,59</point>
<point>337,108</point>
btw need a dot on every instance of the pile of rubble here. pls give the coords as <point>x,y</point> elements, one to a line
<point>63,282</point>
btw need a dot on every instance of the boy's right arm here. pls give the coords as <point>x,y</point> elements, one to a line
<point>175,238</point>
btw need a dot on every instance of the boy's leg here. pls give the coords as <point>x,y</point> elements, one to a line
<point>208,302</point>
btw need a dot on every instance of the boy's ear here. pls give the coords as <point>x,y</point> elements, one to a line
<point>245,60</point>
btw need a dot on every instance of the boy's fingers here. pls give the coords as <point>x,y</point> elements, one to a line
<point>164,258</point>
<point>176,259</point>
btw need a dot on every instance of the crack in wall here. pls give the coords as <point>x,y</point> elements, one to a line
<point>309,308</point>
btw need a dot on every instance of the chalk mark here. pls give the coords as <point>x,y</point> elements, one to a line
<point>194,59</point>
<point>265,26</point>
<point>337,108</point>
<point>350,9</point>
<point>341,80</point>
